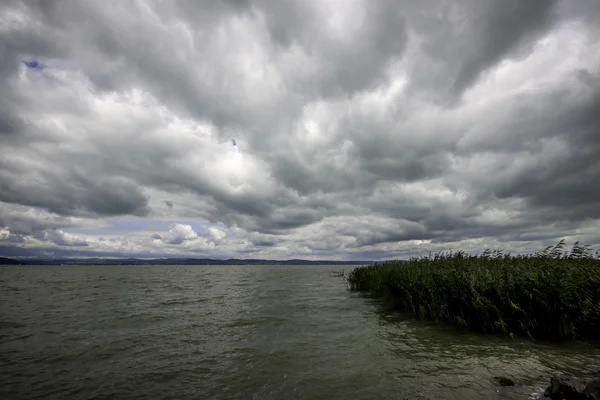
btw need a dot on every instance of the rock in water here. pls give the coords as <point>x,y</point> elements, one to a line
<point>566,387</point>
<point>504,381</point>
<point>593,389</point>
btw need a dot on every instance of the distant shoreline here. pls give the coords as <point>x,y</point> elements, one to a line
<point>175,261</point>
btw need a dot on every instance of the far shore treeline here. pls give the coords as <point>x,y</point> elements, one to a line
<point>553,294</point>
<point>173,261</point>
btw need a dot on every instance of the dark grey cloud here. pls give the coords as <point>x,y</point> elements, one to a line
<point>59,238</point>
<point>27,221</point>
<point>9,123</point>
<point>363,129</point>
<point>20,225</point>
<point>350,61</point>
<point>69,192</point>
<point>461,41</point>
<point>264,243</point>
<point>559,172</point>
<point>504,26</point>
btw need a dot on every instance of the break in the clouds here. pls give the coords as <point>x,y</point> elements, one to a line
<point>299,128</point>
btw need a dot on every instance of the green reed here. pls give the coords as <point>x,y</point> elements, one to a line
<point>553,294</point>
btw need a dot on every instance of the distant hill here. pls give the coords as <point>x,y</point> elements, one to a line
<point>187,261</point>
<point>10,261</point>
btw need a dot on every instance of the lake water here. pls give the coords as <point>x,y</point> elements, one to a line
<point>244,332</point>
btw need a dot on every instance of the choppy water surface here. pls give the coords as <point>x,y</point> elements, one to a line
<point>248,332</point>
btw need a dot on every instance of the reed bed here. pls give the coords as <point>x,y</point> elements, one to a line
<point>553,294</point>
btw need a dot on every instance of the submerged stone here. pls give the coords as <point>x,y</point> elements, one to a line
<point>593,389</point>
<point>504,381</point>
<point>566,387</point>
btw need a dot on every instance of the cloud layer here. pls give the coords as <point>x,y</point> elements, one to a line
<point>364,129</point>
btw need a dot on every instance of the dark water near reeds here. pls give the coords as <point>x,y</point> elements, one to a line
<point>243,332</point>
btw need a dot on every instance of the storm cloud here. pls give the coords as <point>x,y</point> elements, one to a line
<point>363,129</point>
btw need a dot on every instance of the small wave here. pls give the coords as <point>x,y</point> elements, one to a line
<point>180,302</point>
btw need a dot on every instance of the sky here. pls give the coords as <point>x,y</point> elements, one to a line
<point>363,129</point>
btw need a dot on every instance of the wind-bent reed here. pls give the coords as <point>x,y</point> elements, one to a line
<point>553,294</point>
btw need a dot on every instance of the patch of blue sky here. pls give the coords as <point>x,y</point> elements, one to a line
<point>158,226</point>
<point>34,64</point>
<point>117,227</point>
<point>88,231</point>
<point>138,225</point>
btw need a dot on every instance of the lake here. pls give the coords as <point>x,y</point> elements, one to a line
<point>244,332</point>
